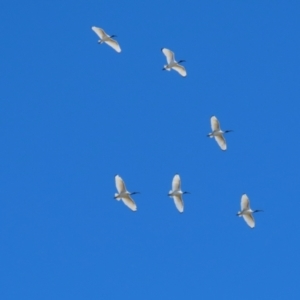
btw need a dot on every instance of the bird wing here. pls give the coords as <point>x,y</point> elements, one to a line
<point>249,220</point>
<point>178,203</point>
<point>128,201</point>
<point>120,185</point>
<point>99,31</point>
<point>169,55</point>
<point>221,141</point>
<point>114,44</point>
<point>180,69</point>
<point>176,183</point>
<point>215,125</point>
<point>245,203</point>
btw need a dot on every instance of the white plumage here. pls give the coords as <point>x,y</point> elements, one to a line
<point>172,63</point>
<point>176,193</point>
<point>105,38</point>
<point>123,194</point>
<point>217,133</point>
<point>246,212</point>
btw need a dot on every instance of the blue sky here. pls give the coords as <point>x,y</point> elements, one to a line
<point>74,113</point>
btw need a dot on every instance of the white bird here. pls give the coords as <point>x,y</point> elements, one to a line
<point>172,63</point>
<point>217,133</point>
<point>123,194</point>
<point>105,38</point>
<point>177,193</point>
<point>246,211</point>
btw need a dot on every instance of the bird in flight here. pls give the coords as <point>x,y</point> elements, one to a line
<point>217,133</point>
<point>176,193</point>
<point>105,38</point>
<point>172,63</point>
<point>123,194</point>
<point>246,212</point>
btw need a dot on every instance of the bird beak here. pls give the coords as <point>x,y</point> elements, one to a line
<point>133,193</point>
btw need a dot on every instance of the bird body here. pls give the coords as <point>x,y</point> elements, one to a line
<point>172,63</point>
<point>105,38</point>
<point>123,194</point>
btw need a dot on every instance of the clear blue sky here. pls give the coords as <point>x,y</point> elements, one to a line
<point>74,113</point>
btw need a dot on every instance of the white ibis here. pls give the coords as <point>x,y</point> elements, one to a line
<point>123,194</point>
<point>105,38</point>
<point>246,211</point>
<point>172,63</point>
<point>217,133</point>
<point>177,193</point>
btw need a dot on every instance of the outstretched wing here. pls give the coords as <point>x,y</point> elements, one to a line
<point>99,31</point>
<point>215,125</point>
<point>176,183</point>
<point>249,220</point>
<point>221,141</point>
<point>128,201</point>
<point>114,44</point>
<point>120,185</point>
<point>180,69</point>
<point>178,203</point>
<point>169,55</point>
<point>245,203</point>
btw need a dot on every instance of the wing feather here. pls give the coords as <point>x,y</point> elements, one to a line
<point>245,203</point>
<point>128,201</point>
<point>114,44</point>
<point>180,69</point>
<point>215,125</point>
<point>169,55</point>
<point>178,203</point>
<point>99,31</point>
<point>221,141</point>
<point>176,183</point>
<point>120,185</point>
<point>249,220</point>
